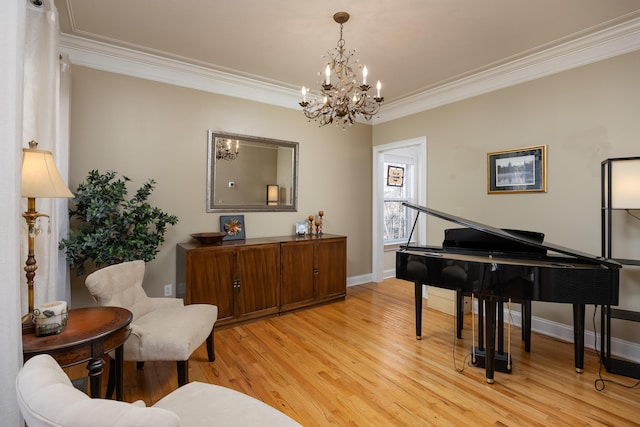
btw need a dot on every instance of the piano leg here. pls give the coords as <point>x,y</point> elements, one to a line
<point>526,324</point>
<point>578,336</point>
<point>481,313</point>
<point>418,297</point>
<point>459,313</point>
<point>500,314</point>
<point>490,350</point>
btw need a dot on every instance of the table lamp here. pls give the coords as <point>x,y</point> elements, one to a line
<point>273,194</point>
<point>40,178</point>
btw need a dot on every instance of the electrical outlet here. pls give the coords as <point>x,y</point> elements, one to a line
<point>168,290</point>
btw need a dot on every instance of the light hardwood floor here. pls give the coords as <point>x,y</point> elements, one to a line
<point>358,363</point>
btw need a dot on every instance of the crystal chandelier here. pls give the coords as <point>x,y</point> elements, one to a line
<point>224,151</point>
<point>343,101</point>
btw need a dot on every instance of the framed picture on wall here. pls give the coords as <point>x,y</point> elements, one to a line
<point>395,176</point>
<point>233,225</point>
<point>517,171</point>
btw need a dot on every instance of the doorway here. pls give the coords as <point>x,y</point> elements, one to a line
<point>413,153</point>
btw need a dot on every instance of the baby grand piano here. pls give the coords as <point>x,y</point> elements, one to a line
<point>514,264</point>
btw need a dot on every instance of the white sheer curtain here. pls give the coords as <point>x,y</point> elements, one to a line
<point>46,120</point>
<point>19,21</point>
<point>63,288</point>
<point>12,29</point>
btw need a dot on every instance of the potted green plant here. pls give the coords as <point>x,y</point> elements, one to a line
<point>107,229</point>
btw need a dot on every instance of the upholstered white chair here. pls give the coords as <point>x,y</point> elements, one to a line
<point>162,329</point>
<point>47,398</point>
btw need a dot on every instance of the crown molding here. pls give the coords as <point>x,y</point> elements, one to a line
<point>115,59</point>
<point>614,41</point>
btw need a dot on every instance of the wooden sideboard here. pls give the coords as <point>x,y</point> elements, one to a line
<point>254,278</point>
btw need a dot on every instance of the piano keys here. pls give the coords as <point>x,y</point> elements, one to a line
<point>508,264</point>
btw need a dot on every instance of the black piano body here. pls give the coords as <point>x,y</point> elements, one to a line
<point>508,264</point>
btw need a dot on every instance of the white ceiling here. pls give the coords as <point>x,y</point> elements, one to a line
<point>412,46</point>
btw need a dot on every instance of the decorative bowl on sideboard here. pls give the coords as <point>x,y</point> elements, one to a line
<point>212,238</point>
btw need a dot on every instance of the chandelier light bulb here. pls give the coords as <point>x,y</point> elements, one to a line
<point>304,94</point>
<point>379,86</point>
<point>364,75</point>
<point>327,73</point>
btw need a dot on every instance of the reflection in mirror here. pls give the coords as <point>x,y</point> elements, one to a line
<point>247,173</point>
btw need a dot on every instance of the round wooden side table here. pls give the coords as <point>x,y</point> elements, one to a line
<point>91,332</point>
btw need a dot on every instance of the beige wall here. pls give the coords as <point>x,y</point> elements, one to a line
<point>144,129</point>
<point>584,116</point>
<point>150,130</point>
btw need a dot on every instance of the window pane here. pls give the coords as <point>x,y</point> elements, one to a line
<point>393,192</point>
<point>395,221</point>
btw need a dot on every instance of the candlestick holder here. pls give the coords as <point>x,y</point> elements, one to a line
<point>320,215</point>
<point>310,219</point>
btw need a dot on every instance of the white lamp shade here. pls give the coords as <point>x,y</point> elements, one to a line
<point>625,184</point>
<point>273,194</point>
<point>40,176</point>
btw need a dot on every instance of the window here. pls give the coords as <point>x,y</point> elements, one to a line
<point>398,188</point>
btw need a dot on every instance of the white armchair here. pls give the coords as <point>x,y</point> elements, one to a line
<point>47,398</point>
<point>161,328</point>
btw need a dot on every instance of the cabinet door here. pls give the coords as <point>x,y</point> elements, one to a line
<point>297,274</point>
<point>259,275</point>
<point>331,267</point>
<point>210,279</point>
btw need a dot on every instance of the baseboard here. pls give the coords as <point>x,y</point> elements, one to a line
<point>359,280</point>
<point>619,348</point>
<point>389,274</point>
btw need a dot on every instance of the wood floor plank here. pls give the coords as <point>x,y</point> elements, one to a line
<point>358,363</point>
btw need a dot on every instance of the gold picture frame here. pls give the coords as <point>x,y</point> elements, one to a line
<point>520,170</point>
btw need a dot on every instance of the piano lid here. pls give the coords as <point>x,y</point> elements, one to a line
<point>512,236</point>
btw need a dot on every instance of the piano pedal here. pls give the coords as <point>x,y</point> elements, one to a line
<point>503,363</point>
